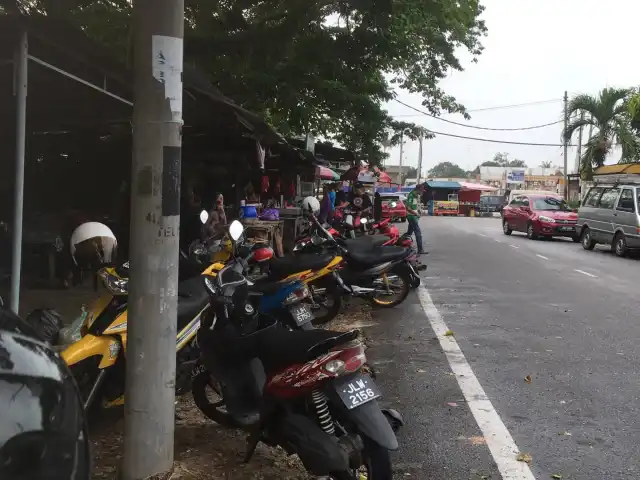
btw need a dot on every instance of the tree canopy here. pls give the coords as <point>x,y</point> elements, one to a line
<point>447,170</point>
<point>501,159</point>
<point>322,67</point>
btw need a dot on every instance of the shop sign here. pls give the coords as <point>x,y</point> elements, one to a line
<point>515,175</point>
<point>445,207</point>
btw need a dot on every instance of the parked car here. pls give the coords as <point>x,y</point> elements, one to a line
<point>490,204</point>
<point>510,194</point>
<point>540,216</point>
<point>609,215</point>
<point>393,207</point>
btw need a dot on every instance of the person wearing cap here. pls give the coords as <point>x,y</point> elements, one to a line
<point>359,198</point>
<point>413,217</point>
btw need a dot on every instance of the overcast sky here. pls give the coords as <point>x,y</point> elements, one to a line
<point>534,51</point>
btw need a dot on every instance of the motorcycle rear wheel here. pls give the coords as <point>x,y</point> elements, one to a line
<point>332,295</point>
<point>212,410</point>
<point>377,464</point>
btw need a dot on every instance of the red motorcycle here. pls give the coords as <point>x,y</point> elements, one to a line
<point>305,391</point>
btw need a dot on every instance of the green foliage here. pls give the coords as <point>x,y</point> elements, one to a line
<point>447,170</point>
<point>323,67</point>
<point>500,159</point>
<point>608,114</point>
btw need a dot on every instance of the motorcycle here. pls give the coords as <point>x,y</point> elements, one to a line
<point>304,391</point>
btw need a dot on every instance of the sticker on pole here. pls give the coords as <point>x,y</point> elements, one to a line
<point>167,68</point>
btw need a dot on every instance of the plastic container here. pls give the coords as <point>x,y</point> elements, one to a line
<point>249,211</point>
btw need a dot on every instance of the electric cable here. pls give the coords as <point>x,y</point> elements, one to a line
<point>475,126</point>
<point>490,140</point>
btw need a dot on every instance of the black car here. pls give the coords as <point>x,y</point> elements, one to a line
<point>490,204</point>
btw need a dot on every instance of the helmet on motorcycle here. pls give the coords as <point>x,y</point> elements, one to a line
<point>93,243</point>
<point>311,205</point>
<point>43,432</point>
<point>262,254</point>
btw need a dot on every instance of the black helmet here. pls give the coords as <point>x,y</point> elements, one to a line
<point>43,432</point>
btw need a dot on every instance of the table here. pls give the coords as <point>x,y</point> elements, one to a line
<point>266,230</point>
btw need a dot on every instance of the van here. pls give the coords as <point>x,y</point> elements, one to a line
<point>609,215</point>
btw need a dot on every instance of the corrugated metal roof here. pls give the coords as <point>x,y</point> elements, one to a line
<point>444,185</point>
<point>628,168</point>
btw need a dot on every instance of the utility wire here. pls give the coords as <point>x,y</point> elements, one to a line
<point>489,140</point>
<point>502,107</point>
<point>475,126</point>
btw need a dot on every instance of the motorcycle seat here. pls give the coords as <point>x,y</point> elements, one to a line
<point>377,255</point>
<point>279,349</point>
<point>285,266</point>
<point>267,287</point>
<point>366,241</point>
<point>192,298</point>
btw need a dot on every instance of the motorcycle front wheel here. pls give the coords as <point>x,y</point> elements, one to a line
<point>392,288</point>
<point>202,385</point>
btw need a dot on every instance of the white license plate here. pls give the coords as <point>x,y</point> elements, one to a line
<point>567,229</point>
<point>301,314</point>
<point>357,390</point>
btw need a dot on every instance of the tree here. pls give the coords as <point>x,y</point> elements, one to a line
<point>608,113</point>
<point>447,170</point>
<point>500,160</point>
<point>546,164</point>
<point>322,67</point>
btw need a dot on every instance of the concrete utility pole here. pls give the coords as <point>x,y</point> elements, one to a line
<point>20,91</point>
<point>158,28</point>
<point>566,146</point>
<point>401,148</point>
<point>420,139</point>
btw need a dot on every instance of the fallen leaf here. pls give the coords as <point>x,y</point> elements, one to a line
<point>448,333</point>
<point>565,434</point>
<point>420,370</point>
<point>556,476</point>
<point>452,404</point>
<point>524,457</point>
<point>528,379</point>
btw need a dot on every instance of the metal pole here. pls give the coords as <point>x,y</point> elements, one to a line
<point>419,159</point>
<point>20,85</point>
<point>155,217</point>
<point>566,146</point>
<point>401,147</point>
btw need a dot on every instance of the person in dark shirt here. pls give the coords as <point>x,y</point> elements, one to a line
<point>377,207</point>
<point>359,200</point>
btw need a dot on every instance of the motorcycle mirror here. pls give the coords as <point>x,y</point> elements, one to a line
<point>204,216</point>
<point>235,230</point>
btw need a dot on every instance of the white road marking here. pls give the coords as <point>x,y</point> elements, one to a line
<point>513,246</point>
<point>586,273</point>
<point>542,256</point>
<point>501,445</point>
<point>499,241</point>
<point>482,234</point>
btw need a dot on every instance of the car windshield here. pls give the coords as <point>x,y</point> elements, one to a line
<point>550,203</point>
<point>491,199</point>
<point>390,198</point>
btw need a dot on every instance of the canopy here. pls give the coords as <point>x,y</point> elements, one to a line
<point>325,173</point>
<point>365,175</point>
<point>443,185</point>
<point>477,186</point>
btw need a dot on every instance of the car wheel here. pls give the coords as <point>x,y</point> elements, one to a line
<point>588,243</point>
<point>506,229</point>
<point>620,245</point>
<point>531,234</point>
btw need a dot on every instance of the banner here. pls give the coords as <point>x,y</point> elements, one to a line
<point>445,208</point>
<point>515,175</point>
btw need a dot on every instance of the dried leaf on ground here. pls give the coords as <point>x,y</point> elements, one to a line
<point>565,434</point>
<point>524,457</point>
<point>449,333</point>
<point>452,404</point>
<point>556,476</point>
<point>528,379</point>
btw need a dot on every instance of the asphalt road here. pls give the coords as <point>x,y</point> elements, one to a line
<point>566,317</point>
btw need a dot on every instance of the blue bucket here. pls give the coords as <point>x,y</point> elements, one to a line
<point>248,211</point>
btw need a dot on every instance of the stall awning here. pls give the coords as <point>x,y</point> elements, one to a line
<point>443,185</point>
<point>477,187</point>
<point>626,168</point>
<point>324,173</point>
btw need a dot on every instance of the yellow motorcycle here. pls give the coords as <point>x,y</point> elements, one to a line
<point>97,359</point>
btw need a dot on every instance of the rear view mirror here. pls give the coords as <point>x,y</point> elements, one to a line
<point>235,230</point>
<point>204,216</point>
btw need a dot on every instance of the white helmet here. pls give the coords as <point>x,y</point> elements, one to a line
<point>311,205</point>
<point>93,241</point>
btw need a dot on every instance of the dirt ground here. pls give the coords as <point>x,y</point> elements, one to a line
<point>205,451</point>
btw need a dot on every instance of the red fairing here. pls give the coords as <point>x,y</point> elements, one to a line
<point>262,254</point>
<point>300,379</point>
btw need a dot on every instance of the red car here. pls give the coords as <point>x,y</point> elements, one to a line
<point>540,216</point>
<point>393,207</point>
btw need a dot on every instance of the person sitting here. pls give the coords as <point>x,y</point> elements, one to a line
<point>217,219</point>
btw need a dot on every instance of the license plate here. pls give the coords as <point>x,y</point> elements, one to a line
<point>567,229</point>
<point>301,314</point>
<point>356,390</point>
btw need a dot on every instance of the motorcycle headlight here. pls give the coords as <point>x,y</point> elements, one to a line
<point>546,219</point>
<point>115,285</point>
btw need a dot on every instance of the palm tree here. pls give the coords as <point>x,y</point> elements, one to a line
<point>546,164</point>
<point>608,115</point>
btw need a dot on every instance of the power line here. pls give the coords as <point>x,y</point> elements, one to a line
<point>475,126</point>
<point>502,107</point>
<point>489,140</point>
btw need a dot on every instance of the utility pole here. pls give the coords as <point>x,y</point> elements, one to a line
<point>420,139</point>
<point>566,146</point>
<point>20,91</point>
<point>401,148</point>
<point>158,30</point>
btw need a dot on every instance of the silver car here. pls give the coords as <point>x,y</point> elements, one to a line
<point>609,215</point>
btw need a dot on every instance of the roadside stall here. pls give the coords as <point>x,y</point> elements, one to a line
<point>469,197</point>
<point>442,198</point>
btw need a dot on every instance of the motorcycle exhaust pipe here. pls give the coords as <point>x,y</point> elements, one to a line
<point>362,290</point>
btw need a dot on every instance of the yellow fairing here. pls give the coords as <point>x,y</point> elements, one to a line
<point>119,325</point>
<point>90,346</point>
<point>97,308</point>
<point>309,276</point>
<point>213,269</point>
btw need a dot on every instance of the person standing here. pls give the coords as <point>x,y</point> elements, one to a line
<point>413,217</point>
